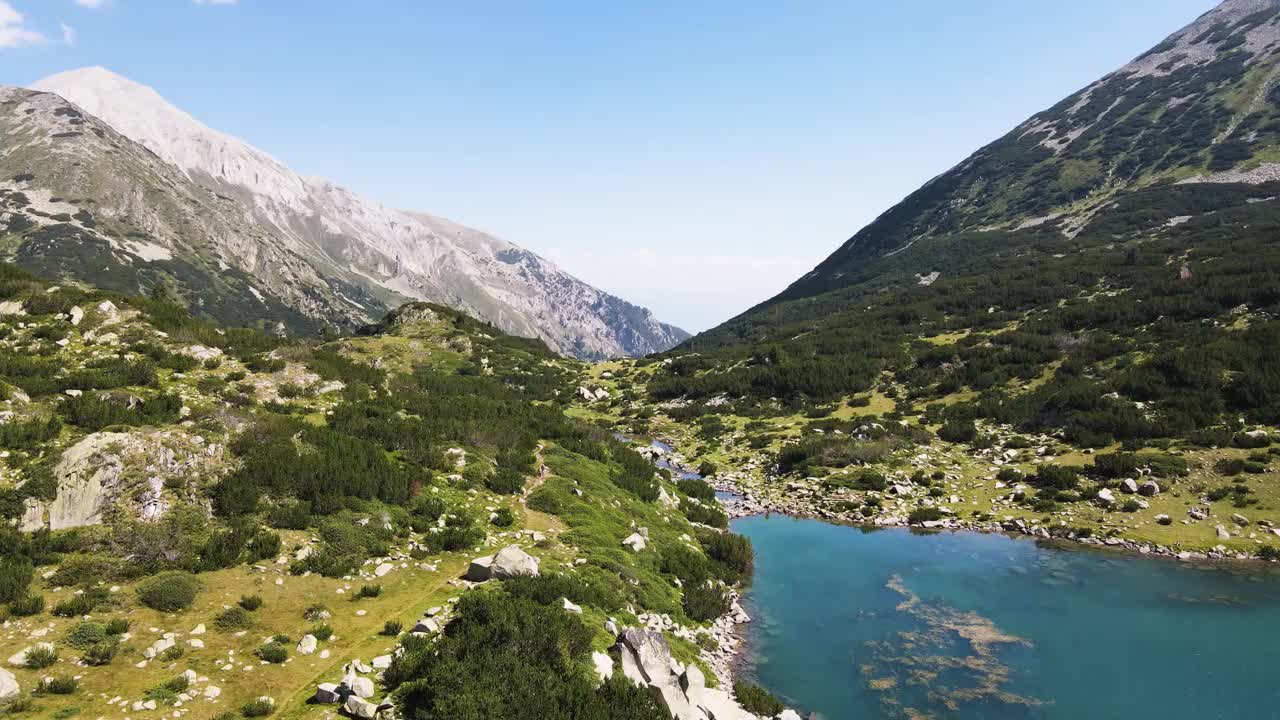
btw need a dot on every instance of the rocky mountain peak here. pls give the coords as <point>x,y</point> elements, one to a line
<point>373,256</point>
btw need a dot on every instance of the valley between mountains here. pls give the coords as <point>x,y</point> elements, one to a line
<point>270,449</point>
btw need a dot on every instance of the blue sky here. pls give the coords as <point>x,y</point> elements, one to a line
<point>694,157</point>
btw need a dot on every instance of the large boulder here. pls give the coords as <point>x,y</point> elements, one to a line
<point>1149,488</point>
<point>511,562</point>
<point>360,686</point>
<point>427,626</point>
<point>8,684</point>
<point>327,694</point>
<point>480,569</point>
<point>635,541</point>
<point>647,652</point>
<point>360,708</point>
<point>1129,485</point>
<point>88,476</point>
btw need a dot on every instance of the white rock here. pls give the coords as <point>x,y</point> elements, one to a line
<point>511,562</point>
<point>307,644</point>
<point>603,665</point>
<point>8,684</point>
<point>360,686</point>
<point>327,694</point>
<point>360,708</point>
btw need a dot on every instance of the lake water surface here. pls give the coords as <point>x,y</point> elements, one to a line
<point>864,624</point>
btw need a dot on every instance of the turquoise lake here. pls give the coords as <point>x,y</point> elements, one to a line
<point>853,623</point>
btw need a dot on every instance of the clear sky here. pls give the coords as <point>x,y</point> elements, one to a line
<point>694,157</point>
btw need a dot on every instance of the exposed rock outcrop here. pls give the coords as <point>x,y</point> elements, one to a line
<point>646,661</point>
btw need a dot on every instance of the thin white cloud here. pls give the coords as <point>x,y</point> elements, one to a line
<point>216,2</point>
<point>68,33</point>
<point>92,4</point>
<point>13,34</point>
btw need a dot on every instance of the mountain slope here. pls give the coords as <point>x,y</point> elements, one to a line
<point>79,200</point>
<point>1202,101</point>
<point>384,256</point>
<point>1106,272</point>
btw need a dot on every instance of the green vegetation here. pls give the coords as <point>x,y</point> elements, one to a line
<point>757,700</point>
<point>452,678</point>
<point>169,591</point>
<point>428,456</point>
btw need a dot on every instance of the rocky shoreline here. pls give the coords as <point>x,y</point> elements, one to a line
<point>747,504</point>
<point>802,500</point>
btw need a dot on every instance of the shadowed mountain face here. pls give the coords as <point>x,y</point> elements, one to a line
<point>1203,104</point>
<point>245,240</point>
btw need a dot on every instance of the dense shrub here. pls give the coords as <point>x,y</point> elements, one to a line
<point>538,651</point>
<point>250,602</point>
<point>169,591</point>
<point>756,700</point>
<point>15,576</point>
<point>27,605</point>
<point>61,685</point>
<point>695,488</point>
<point>85,633</point>
<point>101,653</point>
<point>732,553</point>
<point>41,656</point>
<point>503,517</point>
<point>257,708</point>
<point>233,619</point>
<point>924,514</point>
<point>272,652</point>
<point>584,588</point>
<point>705,601</point>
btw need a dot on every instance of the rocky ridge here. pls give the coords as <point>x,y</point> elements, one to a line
<point>366,257</point>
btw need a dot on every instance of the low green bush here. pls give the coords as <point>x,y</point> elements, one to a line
<point>705,602</point>
<point>41,656</point>
<point>101,653</point>
<point>85,633</point>
<point>233,619</point>
<point>503,518</point>
<point>756,700</point>
<point>27,605</point>
<point>257,709</point>
<point>62,685</point>
<point>169,591</point>
<point>272,652</point>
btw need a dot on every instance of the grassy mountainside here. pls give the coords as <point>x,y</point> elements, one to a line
<point>189,507</point>
<point>1104,280</point>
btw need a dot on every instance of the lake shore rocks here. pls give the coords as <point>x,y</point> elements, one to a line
<point>645,659</point>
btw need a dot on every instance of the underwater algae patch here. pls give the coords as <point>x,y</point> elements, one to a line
<point>951,656</point>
